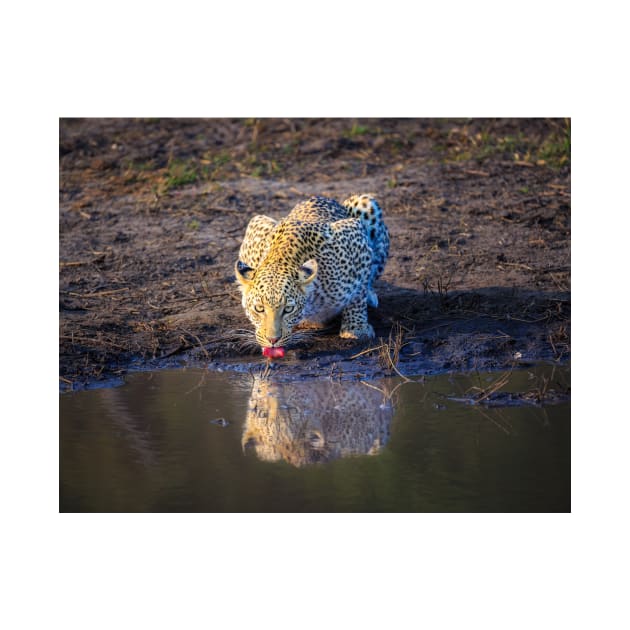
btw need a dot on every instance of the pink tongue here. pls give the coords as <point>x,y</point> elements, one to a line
<point>273,353</point>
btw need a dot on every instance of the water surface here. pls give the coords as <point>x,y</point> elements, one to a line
<point>193,440</point>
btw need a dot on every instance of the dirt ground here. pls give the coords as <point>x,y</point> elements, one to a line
<point>152,213</point>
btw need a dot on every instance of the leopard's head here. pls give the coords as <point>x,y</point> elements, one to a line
<point>274,297</point>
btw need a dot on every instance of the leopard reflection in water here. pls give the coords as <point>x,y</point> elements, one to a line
<point>312,422</point>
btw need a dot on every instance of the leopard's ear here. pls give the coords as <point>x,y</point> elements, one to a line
<point>244,274</point>
<point>307,273</point>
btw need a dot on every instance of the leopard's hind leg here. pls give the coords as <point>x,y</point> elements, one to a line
<point>366,208</point>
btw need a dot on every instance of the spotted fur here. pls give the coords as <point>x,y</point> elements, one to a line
<point>319,261</point>
<point>315,422</point>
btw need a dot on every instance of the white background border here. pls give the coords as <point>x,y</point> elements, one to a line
<point>307,571</point>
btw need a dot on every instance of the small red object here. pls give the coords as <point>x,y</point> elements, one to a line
<point>273,353</point>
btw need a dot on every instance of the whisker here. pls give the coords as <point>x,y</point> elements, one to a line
<point>245,340</point>
<point>241,338</point>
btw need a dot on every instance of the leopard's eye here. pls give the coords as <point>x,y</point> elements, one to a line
<point>259,308</point>
<point>289,308</point>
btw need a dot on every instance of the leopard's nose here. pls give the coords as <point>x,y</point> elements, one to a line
<point>273,340</point>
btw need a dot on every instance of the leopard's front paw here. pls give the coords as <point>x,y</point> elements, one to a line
<point>365,332</point>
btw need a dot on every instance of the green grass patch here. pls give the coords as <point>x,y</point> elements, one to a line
<point>180,173</point>
<point>143,167</point>
<point>212,165</point>
<point>461,144</point>
<point>556,148</point>
<point>290,148</point>
<point>357,130</point>
<point>221,159</point>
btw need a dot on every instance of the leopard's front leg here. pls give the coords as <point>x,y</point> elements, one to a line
<point>354,320</point>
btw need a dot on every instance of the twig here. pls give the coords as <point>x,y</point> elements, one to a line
<point>216,295</point>
<point>198,341</point>
<point>97,294</point>
<point>383,392</point>
<point>266,371</point>
<point>180,348</point>
<point>378,389</point>
<point>472,171</point>
<point>559,284</point>
<point>509,264</point>
<point>488,417</point>
<point>95,341</point>
<point>498,384</point>
<point>219,209</point>
<point>355,356</point>
<point>407,380</point>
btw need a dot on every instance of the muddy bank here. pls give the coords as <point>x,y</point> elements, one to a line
<point>152,213</point>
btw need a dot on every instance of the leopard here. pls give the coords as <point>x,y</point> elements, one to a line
<point>318,262</point>
<point>317,422</point>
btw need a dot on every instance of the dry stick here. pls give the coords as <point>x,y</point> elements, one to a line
<point>488,417</point>
<point>198,341</point>
<point>378,389</point>
<point>529,321</point>
<point>180,348</point>
<point>506,317</point>
<point>218,209</point>
<point>97,342</point>
<point>216,295</point>
<point>394,322</point>
<point>472,171</point>
<point>354,356</point>
<point>266,371</point>
<point>509,264</point>
<point>97,294</point>
<point>192,298</point>
<point>383,392</point>
<point>558,283</point>
<point>498,384</point>
<point>407,380</point>
<point>202,381</point>
<point>503,333</point>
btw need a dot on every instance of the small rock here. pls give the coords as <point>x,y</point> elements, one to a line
<point>222,422</point>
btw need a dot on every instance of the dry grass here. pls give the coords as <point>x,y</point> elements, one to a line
<point>483,393</point>
<point>388,350</point>
<point>389,353</point>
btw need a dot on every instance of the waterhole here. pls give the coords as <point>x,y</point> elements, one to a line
<point>198,441</point>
